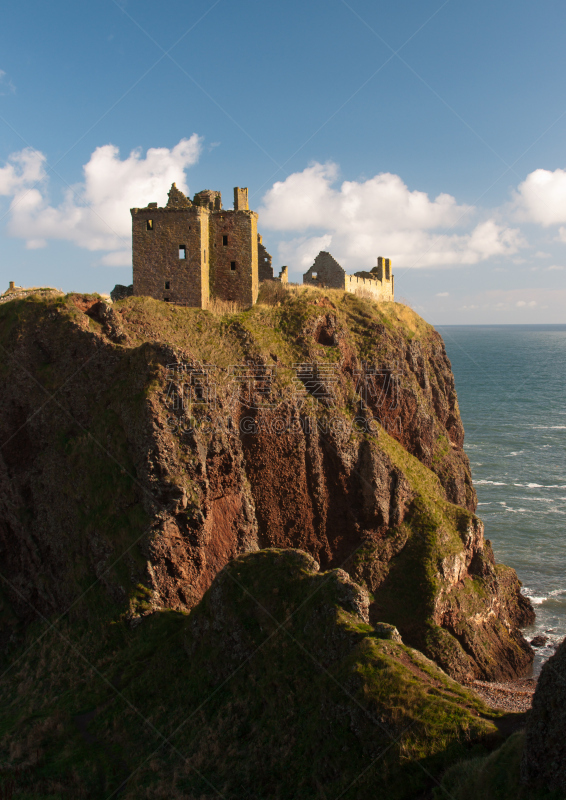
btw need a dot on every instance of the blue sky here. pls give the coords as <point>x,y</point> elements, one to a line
<point>429,132</point>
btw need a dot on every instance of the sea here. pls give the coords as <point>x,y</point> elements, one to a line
<point>511,386</point>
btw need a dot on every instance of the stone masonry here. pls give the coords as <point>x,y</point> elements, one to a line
<point>327,272</point>
<point>191,251</point>
<point>265,269</point>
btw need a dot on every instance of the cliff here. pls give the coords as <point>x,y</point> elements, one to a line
<point>148,445</point>
<point>530,765</point>
<point>275,686</point>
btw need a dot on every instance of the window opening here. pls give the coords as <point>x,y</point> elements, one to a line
<point>150,224</point>
<point>182,251</point>
<point>224,240</point>
<point>167,284</point>
<point>166,299</point>
<point>232,265</point>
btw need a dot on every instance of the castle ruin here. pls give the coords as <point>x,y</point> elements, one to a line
<point>326,272</point>
<point>191,251</point>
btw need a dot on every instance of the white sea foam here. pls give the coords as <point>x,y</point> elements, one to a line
<point>550,427</point>
<point>536,600</point>
<point>491,483</point>
<point>539,486</point>
<point>513,510</point>
<point>539,599</point>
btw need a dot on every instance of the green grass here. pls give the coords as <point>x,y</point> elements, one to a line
<point>493,777</point>
<point>272,688</point>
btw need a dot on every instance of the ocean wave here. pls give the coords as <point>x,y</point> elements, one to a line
<point>539,485</point>
<point>536,600</point>
<point>538,499</point>
<point>550,427</point>
<point>513,510</point>
<point>539,599</point>
<point>514,453</point>
<point>491,483</point>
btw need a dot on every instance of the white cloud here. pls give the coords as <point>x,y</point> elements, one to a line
<point>117,258</point>
<point>94,214</point>
<point>443,294</point>
<point>541,198</point>
<point>22,170</point>
<point>6,85</point>
<point>35,244</point>
<point>303,250</point>
<point>554,268</point>
<point>380,216</point>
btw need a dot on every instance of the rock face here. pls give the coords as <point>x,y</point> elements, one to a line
<point>274,686</point>
<point>544,756</point>
<point>148,444</point>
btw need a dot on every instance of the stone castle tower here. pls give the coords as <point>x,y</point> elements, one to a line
<point>190,251</point>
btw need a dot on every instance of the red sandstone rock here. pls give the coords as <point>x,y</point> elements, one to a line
<point>103,484</point>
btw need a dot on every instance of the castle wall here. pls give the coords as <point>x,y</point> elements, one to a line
<point>234,249</point>
<point>379,290</point>
<point>325,271</point>
<point>156,259</point>
<point>264,262</point>
<point>219,249</point>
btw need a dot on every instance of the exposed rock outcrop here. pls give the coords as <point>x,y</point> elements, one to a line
<point>152,444</point>
<point>274,686</point>
<point>544,756</point>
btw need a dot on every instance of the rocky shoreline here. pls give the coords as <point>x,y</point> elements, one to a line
<point>514,696</point>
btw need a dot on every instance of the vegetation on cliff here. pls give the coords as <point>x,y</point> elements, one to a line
<point>531,765</point>
<point>273,687</point>
<point>149,448</point>
<point>117,474</point>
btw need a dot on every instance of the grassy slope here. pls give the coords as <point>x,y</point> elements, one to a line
<point>271,688</point>
<point>493,777</point>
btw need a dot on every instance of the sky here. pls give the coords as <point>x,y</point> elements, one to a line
<point>432,133</point>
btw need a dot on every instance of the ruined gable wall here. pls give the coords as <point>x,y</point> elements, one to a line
<point>328,272</point>
<point>156,254</point>
<point>240,284</point>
